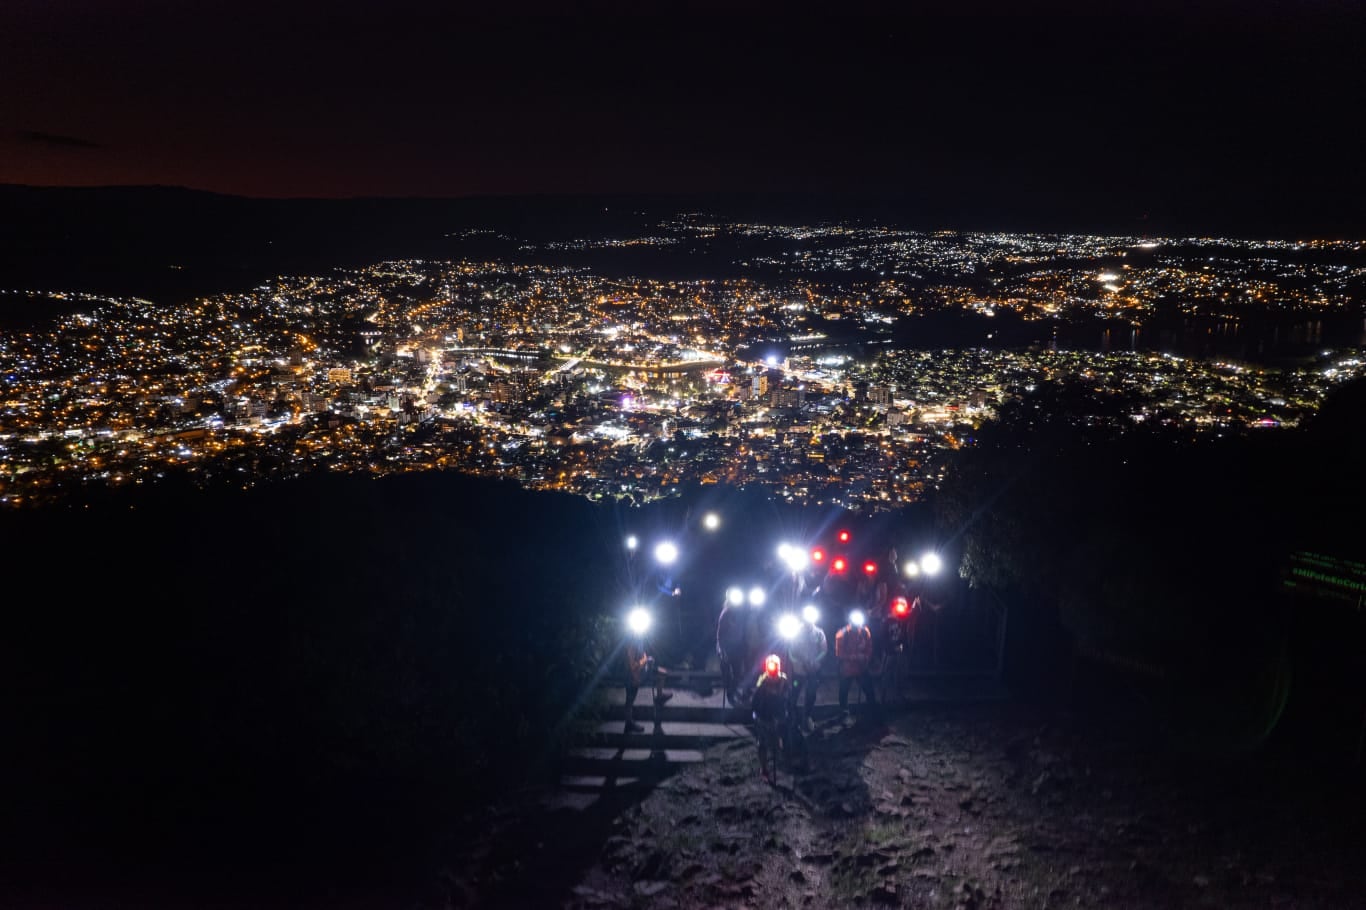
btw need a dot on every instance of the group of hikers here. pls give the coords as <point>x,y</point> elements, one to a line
<point>772,656</point>
<point>782,705</point>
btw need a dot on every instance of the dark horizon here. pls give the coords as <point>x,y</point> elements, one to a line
<point>902,209</point>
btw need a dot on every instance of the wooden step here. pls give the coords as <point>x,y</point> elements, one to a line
<point>593,783</point>
<point>596,757</point>
<point>667,735</point>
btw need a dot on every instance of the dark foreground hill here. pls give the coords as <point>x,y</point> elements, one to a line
<point>258,686</point>
<point>247,694</point>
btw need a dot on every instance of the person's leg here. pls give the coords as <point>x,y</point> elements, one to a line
<point>866,681</point>
<point>765,749</point>
<point>844,692</point>
<point>631,693</point>
<point>795,742</point>
<point>660,696</point>
<point>810,684</point>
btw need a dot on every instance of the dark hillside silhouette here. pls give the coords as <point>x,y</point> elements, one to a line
<point>1160,557</point>
<point>313,671</point>
<point>321,673</point>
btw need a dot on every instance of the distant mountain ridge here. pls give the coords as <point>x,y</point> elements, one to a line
<point>172,243</point>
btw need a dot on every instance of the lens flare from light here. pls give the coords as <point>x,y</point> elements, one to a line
<point>839,565</point>
<point>794,557</point>
<point>870,568</point>
<point>632,541</point>
<point>757,596</point>
<point>711,521</point>
<point>666,553</point>
<point>930,563</point>
<point>638,621</point>
<point>735,597</point>
<point>772,665</point>
<point>842,536</point>
<point>857,618</point>
<point>788,626</point>
<point>818,555</point>
<point>900,607</point>
<point>811,614</point>
<point>912,568</point>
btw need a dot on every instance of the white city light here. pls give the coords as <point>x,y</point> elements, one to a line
<point>930,563</point>
<point>711,521</point>
<point>632,541</point>
<point>757,596</point>
<point>638,620</point>
<point>666,553</point>
<point>735,597</point>
<point>789,626</point>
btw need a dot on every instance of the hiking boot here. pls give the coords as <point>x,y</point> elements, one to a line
<point>663,698</point>
<point>633,727</point>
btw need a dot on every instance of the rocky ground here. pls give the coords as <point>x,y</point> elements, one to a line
<point>973,807</point>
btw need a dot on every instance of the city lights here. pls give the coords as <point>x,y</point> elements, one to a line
<point>639,387</point>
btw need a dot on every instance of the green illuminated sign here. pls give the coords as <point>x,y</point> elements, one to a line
<point>1325,576</point>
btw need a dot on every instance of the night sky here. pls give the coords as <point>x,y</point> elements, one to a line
<point>1253,107</point>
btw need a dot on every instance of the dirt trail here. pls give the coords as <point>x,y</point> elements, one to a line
<point>977,808</point>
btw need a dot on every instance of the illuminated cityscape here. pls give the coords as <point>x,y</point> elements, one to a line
<point>805,373</point>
